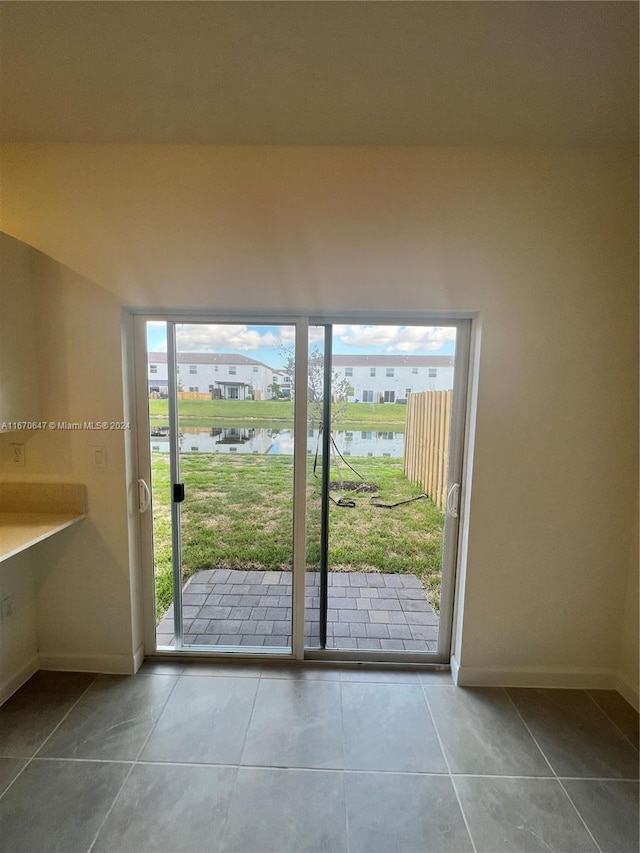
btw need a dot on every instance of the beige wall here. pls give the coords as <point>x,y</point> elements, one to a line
<point>19,399</point>
<point>542,243</point>
<point>81,583</point>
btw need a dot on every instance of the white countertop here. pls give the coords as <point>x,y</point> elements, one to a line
<point>21,530</point>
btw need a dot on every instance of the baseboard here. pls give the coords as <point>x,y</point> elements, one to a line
<point>455,668</point>
<point>580,679</point>
<point>109,664</point>
<point>10,685</point>
<point>138,657</point>
<point>629,692</point>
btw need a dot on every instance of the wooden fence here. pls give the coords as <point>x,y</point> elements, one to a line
<point>426,442</point>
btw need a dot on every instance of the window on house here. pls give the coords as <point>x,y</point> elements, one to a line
<point>348,371</point>
<point>372,371</point>
<point>433,372</point>
<point>407,391</point>
<point>153,368</point>
<point>194,388</point>
<point>193,368</point>
<point>215,368</point>
<point>390,371</point>
<point>255,368</point>
<point>367,396</point>
<point>232,370</point>
<point>414,369</point>
<point>366,435</point>
<point>389,396</point>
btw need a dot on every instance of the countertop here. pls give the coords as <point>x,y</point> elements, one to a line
<point>31,512</point>
<point>21,530</point>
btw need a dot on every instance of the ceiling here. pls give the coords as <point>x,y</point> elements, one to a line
<point>320,73</point>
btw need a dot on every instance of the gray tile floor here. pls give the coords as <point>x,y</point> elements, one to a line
<point>212,757</point>
<point>366,610</point>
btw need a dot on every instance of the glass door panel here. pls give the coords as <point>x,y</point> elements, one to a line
<point>316,556</point>
<point>222,456</point>
<point>383,446</point>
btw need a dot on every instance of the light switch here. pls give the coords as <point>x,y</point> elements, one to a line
<point>99,457</point>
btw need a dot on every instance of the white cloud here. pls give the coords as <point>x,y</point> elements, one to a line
<point>287,335</point>
<point>209,336</point>
<point>401,339</point>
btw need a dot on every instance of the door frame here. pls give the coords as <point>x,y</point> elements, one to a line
<point>460,444</point>
<point>145,527</point>
<point>455,475</point>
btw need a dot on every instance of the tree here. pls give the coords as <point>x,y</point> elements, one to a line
<point>340,387</point>
<point>274,388</point>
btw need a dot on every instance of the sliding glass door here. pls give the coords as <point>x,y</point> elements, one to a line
<point>385,415</point>
<point>305,483</point>
<point>222,445</point>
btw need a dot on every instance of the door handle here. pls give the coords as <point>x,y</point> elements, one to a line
<point>453,500</point>
<point>144,496</point>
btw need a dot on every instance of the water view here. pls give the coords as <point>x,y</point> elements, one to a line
<point>279,441</point>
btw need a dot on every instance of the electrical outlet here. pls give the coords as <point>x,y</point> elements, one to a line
<point>8,607</point>
<point>17,455</point>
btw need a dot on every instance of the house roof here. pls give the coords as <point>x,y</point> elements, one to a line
<point>374,360</point>
<point>206,358</point>
<point>385,360</point>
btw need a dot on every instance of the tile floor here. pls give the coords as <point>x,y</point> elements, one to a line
<point>212,757</point>
<point>366,610</point>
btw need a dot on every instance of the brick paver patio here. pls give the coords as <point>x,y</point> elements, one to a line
<point>366,611</point>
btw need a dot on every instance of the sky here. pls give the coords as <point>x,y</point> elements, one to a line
<point>268,343</point>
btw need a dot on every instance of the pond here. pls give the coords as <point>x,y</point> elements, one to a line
<point>279,441</point>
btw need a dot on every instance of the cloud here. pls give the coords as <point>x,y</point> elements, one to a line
<point>287,335</point>
<point>212,336</point>
<point>400,339</point>
<point>207,337</point>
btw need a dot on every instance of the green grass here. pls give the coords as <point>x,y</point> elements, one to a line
<point>238,510</point>
<point>273,412</point>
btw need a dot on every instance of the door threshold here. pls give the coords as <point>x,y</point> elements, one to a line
<point>313,659</point>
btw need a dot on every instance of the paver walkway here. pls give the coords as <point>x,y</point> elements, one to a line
<point>366,611</point>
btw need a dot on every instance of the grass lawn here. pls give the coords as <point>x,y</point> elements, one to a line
<point>274,412</point>
<point>237,514</point>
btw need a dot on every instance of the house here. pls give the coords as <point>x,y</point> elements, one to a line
<point>387,378</point>
<point>356,161</point>
<point>224,376</point>
<point>371,378</point>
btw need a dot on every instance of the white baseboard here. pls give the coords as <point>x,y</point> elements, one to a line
<point>455,668</point>
<point>629,692</point>
<point>138,657</point>
<point>15,682</point>
<point>109,664</point>
<point>580,679</point>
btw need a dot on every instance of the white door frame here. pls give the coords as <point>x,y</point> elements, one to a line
<point>457,464</point>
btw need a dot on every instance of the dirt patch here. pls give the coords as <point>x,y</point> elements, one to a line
<point>353,486</point>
